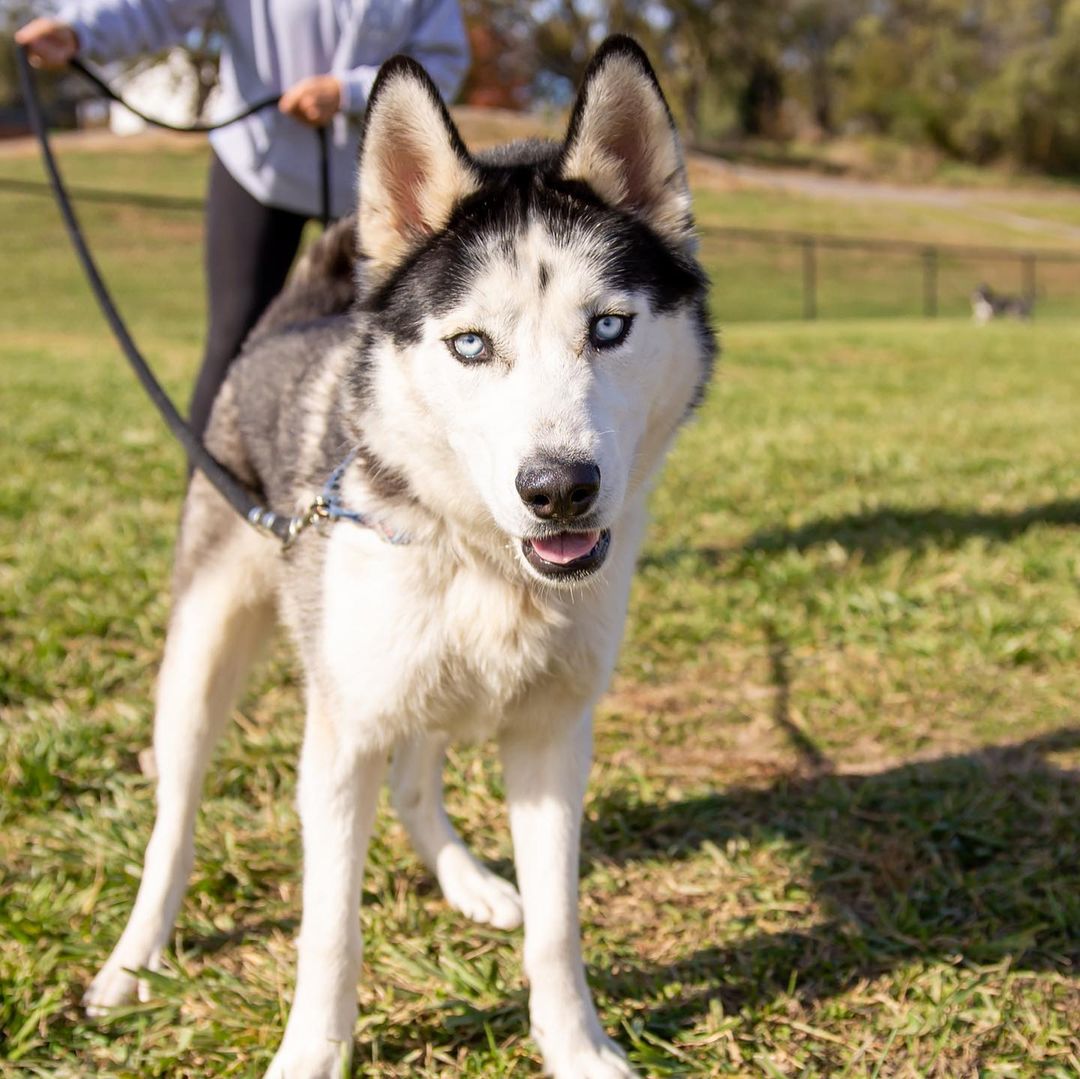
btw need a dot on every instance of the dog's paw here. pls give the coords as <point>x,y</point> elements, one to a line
<point>112,987</point>
<point>316,1059</point>
<point>478,893</point>
<point>599,1059</point>
<point>115,984</point>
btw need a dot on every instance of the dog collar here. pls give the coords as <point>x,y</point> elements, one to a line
<point>335,510</point>
<point>328,506</point>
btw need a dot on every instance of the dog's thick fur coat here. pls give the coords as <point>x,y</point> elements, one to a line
<point>506,344</point>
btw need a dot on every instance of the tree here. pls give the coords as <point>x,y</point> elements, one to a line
<point>503,66</point>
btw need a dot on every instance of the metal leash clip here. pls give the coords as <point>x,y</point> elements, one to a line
<point>265,521</point>
<point>325,507</point>
<point>319,510</point>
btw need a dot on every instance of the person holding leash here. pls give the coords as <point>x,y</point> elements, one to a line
<point>264,185</point>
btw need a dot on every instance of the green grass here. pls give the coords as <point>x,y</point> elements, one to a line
<point>833,826</point>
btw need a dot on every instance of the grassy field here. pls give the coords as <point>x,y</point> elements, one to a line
<point>834,827</point>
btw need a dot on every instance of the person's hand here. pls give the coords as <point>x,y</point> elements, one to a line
<point>50,42</point>
<point>312,101</point>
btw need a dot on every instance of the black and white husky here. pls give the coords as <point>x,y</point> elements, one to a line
<point>499,349</point>
<point>987,305</point>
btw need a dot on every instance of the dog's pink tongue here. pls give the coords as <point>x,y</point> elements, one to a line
<point>566,546</point>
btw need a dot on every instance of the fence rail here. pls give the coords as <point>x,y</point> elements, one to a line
<point>930,259</point>
<point>796,279</point>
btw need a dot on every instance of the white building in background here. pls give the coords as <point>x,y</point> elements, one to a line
<point>168,91</point>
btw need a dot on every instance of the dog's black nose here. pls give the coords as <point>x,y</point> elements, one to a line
<point>559,490</point>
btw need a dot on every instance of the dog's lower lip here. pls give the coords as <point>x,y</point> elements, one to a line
<point>575,568</point>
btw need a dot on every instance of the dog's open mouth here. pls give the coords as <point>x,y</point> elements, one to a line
<point>567,554</point>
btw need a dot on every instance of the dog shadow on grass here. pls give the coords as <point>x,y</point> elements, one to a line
<point>876,533</point>
<point>972,858</point>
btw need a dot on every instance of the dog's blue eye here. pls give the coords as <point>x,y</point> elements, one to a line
<point>469,346</point>
<point>609,329</point>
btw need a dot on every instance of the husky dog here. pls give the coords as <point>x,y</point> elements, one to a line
<point>492,360</point>
<point>987,305</point>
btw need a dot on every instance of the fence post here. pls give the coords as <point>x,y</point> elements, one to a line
<point>930,276</point>
<point>1029,279</point>
<point>809,278</point>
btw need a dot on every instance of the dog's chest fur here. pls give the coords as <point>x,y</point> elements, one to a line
<point>424,638</point>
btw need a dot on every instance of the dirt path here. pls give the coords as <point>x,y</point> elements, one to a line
<point>971,200</point>
<point>98,141</point>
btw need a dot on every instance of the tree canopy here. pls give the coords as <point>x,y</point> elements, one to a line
<point>978,80</point>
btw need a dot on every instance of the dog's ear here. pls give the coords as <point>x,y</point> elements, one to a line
<point>414,167</point>
<point>622,141</point>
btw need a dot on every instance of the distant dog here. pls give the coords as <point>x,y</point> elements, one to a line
<point>491,363</point>
<point>987,305</point>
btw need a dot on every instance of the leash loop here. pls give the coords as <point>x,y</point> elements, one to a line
<point>196,128</point>
<point>200,128</point>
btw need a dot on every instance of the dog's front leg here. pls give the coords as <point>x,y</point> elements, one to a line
<point>545,776</point>
<point>338,793</point>
<point>417,790</point>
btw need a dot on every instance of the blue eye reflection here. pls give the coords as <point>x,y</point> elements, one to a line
<point>607,330</point>
<point>469,346</point>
